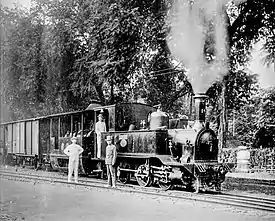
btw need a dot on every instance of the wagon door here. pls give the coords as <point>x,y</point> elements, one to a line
<point>29,137</point>
<point>21,136</point>
<point>35,137</point>
<point>9,139</point>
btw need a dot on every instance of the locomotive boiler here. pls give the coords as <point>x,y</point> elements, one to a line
<point>170,156</point>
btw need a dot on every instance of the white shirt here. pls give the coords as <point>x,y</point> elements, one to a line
<point>73,151</point>
<point>100,126</point>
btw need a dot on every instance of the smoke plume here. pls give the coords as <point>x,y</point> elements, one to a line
<point>197,26</point>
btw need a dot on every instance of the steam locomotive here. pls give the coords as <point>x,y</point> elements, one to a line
<point>169,155</point>
<point>151,148</point>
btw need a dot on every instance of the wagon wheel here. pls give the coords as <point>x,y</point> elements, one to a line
<point>123,176</point>
<point>143,176</point>
<point>165,186</point>
<point>196,185</point>
<point>54,166</point>
<point>218,187</point>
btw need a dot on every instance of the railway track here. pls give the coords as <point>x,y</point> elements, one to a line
<point>248,202</point>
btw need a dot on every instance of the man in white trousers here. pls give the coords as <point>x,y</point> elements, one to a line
<point>73,151</point>
<point>100,126</point>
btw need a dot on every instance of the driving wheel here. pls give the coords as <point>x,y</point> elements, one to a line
<point>165,186</point>
<point>123,176</point>
<point>143,175</point>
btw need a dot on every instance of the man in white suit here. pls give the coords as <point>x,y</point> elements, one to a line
<point>73,151</point>
<point>100,126</point>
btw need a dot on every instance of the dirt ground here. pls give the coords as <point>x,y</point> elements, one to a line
<point>56,202</point>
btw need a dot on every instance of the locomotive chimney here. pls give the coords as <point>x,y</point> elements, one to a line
<point>199,111</point>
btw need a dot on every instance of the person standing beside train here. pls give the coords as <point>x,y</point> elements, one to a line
<point>110,160</point>
<point>100,127</point>
<point>73,151</point>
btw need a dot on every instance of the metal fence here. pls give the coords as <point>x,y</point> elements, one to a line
<point>261,160</point>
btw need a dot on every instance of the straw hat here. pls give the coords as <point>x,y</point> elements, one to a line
<point>109,138</point>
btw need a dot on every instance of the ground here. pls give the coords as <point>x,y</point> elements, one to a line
<point>56,202</point>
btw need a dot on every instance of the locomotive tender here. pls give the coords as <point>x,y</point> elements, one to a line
<point>150,148</point>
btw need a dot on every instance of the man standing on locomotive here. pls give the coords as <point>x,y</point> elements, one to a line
<point>73,151</point>
<point>110,160</point>
<point>100,126</point>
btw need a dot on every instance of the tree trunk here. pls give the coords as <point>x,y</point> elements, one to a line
<point>112,92</point>
<point>223,122</point>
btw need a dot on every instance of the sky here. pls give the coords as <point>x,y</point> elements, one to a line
<point>266,74</point>
<point>10,3</point>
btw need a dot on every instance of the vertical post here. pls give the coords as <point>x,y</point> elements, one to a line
<point>81,140</point>
<point>233,126</point>
<point>51,132</point>
<point>51,127</point>
<point>40,157</point>
<point>31,136</point>
<point>25,137</point>
<point>58,134</point>
<point>95,137</point>
<point>272,160</point>
<point>12,138</point>
<point>191,104</point>
<point>59,128</point>
<point>19,137</point>
<point>4,140</point>
<point>72,124</point>
<point>223,126</point>
<point>1,79</point>
<point>82,127</point>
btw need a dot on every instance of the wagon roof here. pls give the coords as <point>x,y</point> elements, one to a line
<point>96,108</point>
<point>44,117</point>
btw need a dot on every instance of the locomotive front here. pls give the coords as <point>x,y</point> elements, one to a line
<point>196,149</point>
<point>196,144</point>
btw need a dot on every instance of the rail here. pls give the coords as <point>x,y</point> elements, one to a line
<point>239,201</point>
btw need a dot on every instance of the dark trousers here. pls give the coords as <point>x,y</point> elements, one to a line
<point>111,173</point>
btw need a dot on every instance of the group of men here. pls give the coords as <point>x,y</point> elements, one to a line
<point>74,150</point>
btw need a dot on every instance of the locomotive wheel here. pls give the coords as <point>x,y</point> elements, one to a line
<point>196,185</point>
<point>218,187</point>
<point>53,166</point>
<point>165,186</point>
<point>143,176</point>
<point>123,176</point>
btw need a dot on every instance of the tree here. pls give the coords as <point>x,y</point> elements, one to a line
<point>250,22</point>
<point>117,51</point>
<point>24,82</point>
<point>123,52</point>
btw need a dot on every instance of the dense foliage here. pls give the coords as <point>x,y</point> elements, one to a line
<point>59,55</point>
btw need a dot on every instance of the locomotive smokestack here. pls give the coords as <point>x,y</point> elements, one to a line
<point>199,111</point>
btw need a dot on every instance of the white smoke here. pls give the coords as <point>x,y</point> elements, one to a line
<point>190,24</point>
